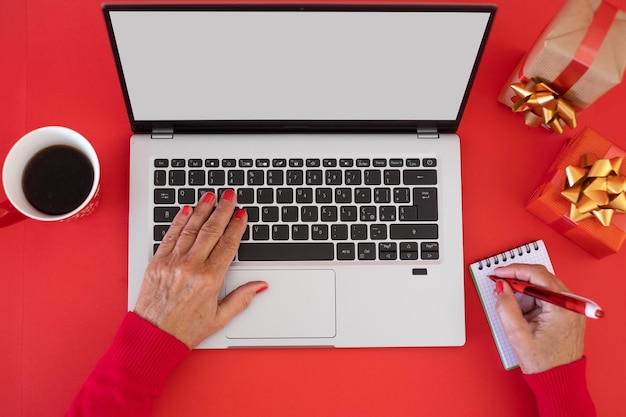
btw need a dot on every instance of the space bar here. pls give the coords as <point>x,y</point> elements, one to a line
<point>286,252</point>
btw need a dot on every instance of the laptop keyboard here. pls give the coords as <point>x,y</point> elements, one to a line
<point>358,209</point>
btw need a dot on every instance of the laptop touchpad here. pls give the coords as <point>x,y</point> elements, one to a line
<point>297,304</point>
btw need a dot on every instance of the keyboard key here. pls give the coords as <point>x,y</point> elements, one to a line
<point>279,163</point>
<point>329,214</point>
<point>363,195</point>
<point>414,231</point>
<point>346,163</point>
<point>295,177</point>
<point>408,251</point>
<point>246,233</point>
<point>262,163</point>
<point>413,163</point>
<point>308,214</point>
<point>333,177</point>
<point>329,163</point>
<point>159,232</point>
<point>165,214</point>
<point>343,195</point>
<point>160,177</point>
<point>161,163</point>
<point>217,177</point>
<point>296,163</point>
<point>164,196</point>
<point>319,232</point>
<point>269,214</point>
<point>235,177</point>
<point>426,201</point>
<point>387,214</point>
<point>275,177</point>
<point>401,195</point>
<point>366,251</point>
<point>178,163</point>
<point>323,195</point>
<point>260,232</point>
<point>345,251</point>
<point>382,195</point>
<point>314,177</point>
<point>194,163</point>
<point>407,214</point>
<point>378,231</point>
<point>286,252</point>
<point>299,232</point>
<point>379,163</point>
<point>253,214</point>
<point>391,177</point>
<point>372,177</point>
<point>289,214</point>
<point>396,162</point>
<point>362,163</point>
<point>280,232</point>
<point>265,195</point>
<point>387,251</point>
<point>348,213</point>
<point>229,163</point>
<point>420,177</point>
<point>284,195</point>
<point>352,177</point>
<point>196,177</point>
<point>245,163</point>
<point>368,213</point>
<point>430,162</point>
<point>358,232</point>
<point>313,162</point>
<point>176,177</point>
<point>304,195</point>
<point>339,232</point>
<point>256,177</point>
<point>245,196</point>
<point>186,196</point>
<point>211,163</point>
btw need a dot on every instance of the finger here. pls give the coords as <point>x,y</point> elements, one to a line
<point>171,237</point>
<point>535,274</point>
<point>511,317</point>
<point>189,233</point>
<point>226,247</point>
<point>238,300</point>
<point>213,228</point>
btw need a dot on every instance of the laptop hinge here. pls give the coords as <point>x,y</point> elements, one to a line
<point>427,133</point>
<point>162,133</point>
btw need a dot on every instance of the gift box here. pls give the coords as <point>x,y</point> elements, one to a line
<point>583,194</point>
<point>579,56</point>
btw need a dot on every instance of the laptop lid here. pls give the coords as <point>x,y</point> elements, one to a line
<point>227,67</point>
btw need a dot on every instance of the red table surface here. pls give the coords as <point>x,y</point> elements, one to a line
<point>63,286</point>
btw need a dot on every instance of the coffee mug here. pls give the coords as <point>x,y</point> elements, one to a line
<point>50,174</point>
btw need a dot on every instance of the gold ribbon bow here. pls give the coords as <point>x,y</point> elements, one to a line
<point>543,105</point>
<point>595,188</point>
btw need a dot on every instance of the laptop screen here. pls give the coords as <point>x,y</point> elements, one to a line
<point>369,64</point>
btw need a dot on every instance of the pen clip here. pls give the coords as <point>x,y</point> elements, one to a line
<point>592,309</point>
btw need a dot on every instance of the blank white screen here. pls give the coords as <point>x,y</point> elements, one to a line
<point>312,65</point>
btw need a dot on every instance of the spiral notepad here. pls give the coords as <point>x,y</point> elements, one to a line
<point>531,253</point>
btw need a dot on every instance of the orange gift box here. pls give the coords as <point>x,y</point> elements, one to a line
<point>579,56</point>
<point>551,206</point>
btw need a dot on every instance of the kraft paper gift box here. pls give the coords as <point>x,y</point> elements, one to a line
<point>596,192</point>
<point>579,56</point>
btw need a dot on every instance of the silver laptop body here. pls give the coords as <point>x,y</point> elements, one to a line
<point>335,125</point>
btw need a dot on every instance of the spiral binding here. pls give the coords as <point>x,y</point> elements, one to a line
<point>506,255</point>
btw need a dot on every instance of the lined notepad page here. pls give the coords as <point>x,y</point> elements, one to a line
<point>530,253</point>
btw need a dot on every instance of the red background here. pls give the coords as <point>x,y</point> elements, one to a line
<point>63,286</point>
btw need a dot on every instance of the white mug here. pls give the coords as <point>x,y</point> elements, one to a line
<point>18,207</point>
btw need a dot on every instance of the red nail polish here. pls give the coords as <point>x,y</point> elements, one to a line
<point>499,287</point>
<point>228,195</point>
<point>208,198</point>
<point>260,290</point>
<point>240,214</point>
<point>186,210</point>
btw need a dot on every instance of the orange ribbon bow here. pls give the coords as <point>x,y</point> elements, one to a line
<point>595,188</point>
<point>542,105</point>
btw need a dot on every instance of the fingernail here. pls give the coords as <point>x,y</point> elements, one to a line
<point>499,287</point>
<point>186,210</point>
<point>228,195</point>
<point>240,214</point>
<point>208,198</point>
<point>260,290</point>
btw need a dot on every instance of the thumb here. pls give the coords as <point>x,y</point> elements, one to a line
<point>238,300</point>
<point>510,314</point>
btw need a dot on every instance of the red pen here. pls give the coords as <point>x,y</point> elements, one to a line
<point>569,301</point>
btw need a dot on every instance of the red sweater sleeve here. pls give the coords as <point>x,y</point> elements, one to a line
<point>131,374</point>
<point>562,391</point>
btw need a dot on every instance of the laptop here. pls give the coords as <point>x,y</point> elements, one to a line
<point>335,125</point>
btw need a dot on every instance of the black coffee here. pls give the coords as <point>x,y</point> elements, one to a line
<point>57,179</point>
